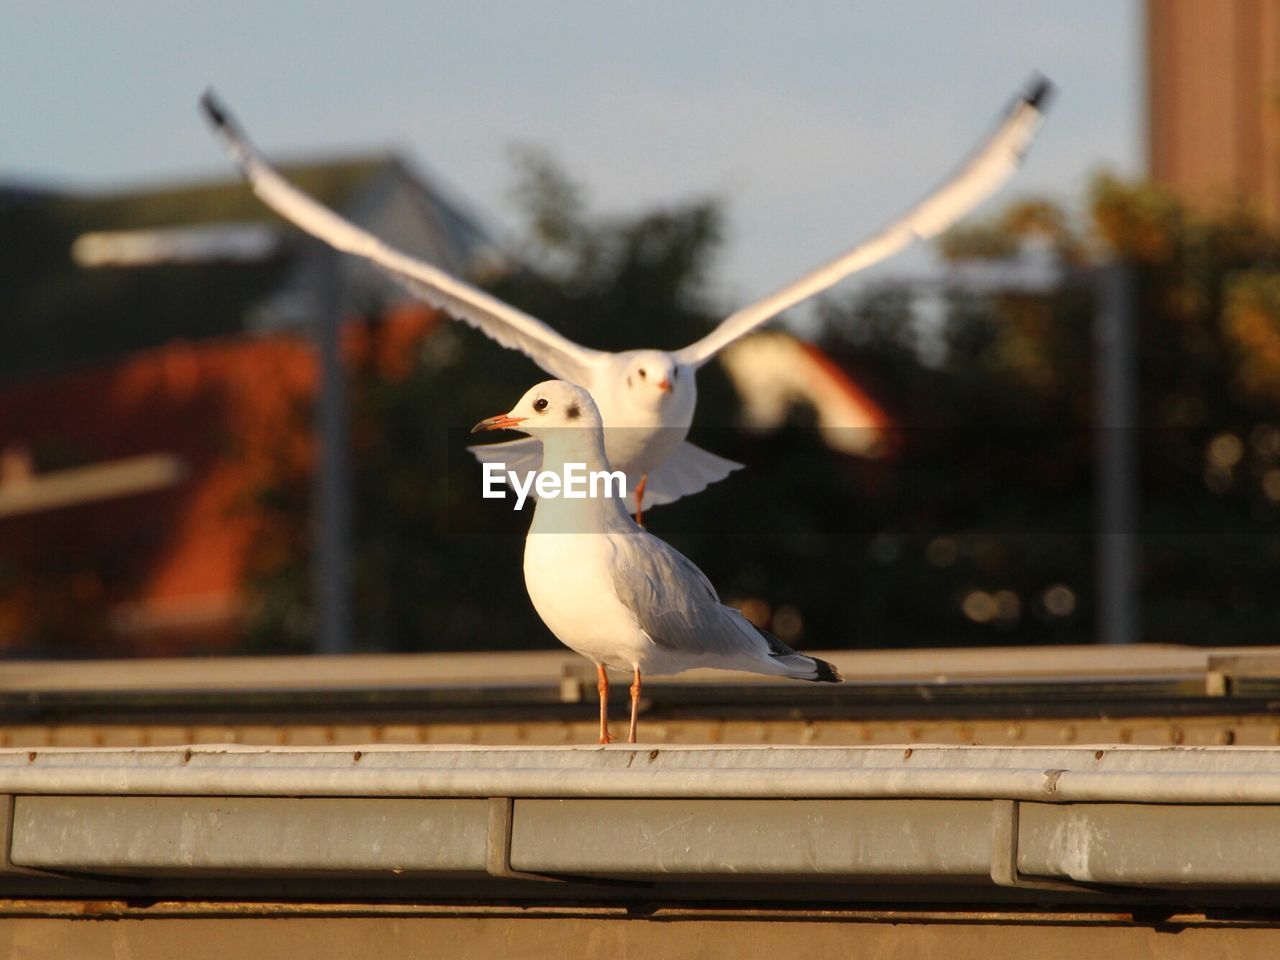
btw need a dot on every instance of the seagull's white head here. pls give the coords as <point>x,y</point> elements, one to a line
<point>653,378</point>
<point>551,405</point>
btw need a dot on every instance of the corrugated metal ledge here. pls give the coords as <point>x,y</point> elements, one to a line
<point>1052,820</point>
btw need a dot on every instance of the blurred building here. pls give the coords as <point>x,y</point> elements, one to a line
<point>157,379</point>
<point>91,277</point>
<point>1213,99</point>
<point>134,495</point>
<point>774,372</point>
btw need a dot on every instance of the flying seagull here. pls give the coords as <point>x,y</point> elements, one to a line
<point>613,592</point>
<point>646,397</point>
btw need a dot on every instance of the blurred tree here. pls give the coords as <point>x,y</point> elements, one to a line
<point>1252,327</point>
<point>1204,310</point>
<point>1206,314</point>
<point>978,528</point>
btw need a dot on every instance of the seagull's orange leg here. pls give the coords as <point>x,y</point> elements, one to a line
<point>644,478</point>
<point>635,705</point>
<point>602,684</point>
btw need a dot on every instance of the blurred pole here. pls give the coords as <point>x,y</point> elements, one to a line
<point>1117,457</point>
<point>332,476</point>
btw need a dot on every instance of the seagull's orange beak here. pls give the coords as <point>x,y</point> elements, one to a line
<point>501,422</point>
<point>664,385</point>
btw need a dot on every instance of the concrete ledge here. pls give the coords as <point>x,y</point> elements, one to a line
<point>1062,822</point>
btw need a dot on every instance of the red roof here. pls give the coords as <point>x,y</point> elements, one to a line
<point>163,571</point>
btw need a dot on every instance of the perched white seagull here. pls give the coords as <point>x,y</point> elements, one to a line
<point>646,397</point>
<point>613,592</point>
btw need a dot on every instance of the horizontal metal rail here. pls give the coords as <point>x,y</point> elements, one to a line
<point>1164,682</point>
<point>1043,785</point>
<point>549,667</point>
<point>725,701</point>
<point>1065,775</point>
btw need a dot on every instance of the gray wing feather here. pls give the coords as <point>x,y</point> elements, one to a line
<point>676,605</point>
<point>979,177</point>
<point>505,324</point>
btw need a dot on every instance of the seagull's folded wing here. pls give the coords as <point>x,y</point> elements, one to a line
<point>674,603</point>
<point>510,327</point>
<point>979,177</point>
<point>678,609</point>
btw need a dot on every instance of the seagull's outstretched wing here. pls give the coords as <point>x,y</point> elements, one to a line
<point>689,470</point>
<point>510,327</point>
<point>987,170</point>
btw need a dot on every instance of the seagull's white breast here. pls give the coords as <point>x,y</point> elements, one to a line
<point>569,581</point>
<point>639,438</point>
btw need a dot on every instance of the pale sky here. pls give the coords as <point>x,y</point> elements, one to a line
<point>814,121</point>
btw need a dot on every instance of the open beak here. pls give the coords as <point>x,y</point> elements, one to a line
<point>665,385</point>
<point>501,422</point>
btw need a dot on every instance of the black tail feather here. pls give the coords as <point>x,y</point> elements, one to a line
<point>826,673</point>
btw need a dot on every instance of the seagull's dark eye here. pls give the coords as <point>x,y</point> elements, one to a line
<point>642,373</point>
<point>540,404</point>
<point>675,372</point>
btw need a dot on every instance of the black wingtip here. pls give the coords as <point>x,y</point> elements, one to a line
<point>1040,92</point>
<point>214,110</point>
<point>827,673</point>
